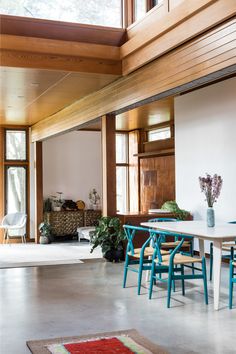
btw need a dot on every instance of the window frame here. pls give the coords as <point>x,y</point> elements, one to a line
<point>5,145</point>
<point>17,163</point>
<point>126,165</point>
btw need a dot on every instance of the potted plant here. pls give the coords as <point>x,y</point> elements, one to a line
<point>45,233</point>
<point>57,201</point>
<point>173,207</point>
<point>94,199</point>
<point>110,235</point>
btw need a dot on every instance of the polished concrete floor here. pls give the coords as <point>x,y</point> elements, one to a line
<point>54,301</point>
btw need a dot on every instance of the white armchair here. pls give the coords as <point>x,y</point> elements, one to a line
<point>14,222</point>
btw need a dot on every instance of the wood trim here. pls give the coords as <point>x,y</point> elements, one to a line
<point>109,165</point>
<point>66,31</point>
<point>202,60</point>
<point>186,26</point>
<point>59,47</point>
<point>38,175</point>
<point>156,153</point>
<point>21,59</point>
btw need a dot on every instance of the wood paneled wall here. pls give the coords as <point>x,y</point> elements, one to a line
<point>208,54</point>
<point>157,181</point>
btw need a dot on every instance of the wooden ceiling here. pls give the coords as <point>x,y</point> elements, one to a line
<point>141,117</point>
<point>47,65</point>
<point>29,95</point>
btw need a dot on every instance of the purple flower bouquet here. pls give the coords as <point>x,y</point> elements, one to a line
<point>211,187</point>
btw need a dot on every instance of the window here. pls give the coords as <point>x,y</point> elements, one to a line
<point>122,172</point>
<point>159,134</point>
<point>15,145</point>
<point>140,9</point>
<point>94,12</point>
<point>16,170</point>
<point>15,189</point>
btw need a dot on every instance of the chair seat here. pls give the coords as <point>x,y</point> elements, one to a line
<point>227,246</point>
<point>179,259</point>
<point>148,252</point>
<point>174,244</point>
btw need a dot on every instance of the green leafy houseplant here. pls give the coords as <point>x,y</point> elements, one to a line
<point>45,232</point>
<point>110,235</point>
<point>173,207</point>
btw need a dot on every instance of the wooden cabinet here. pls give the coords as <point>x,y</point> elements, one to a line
<point>65,223</point>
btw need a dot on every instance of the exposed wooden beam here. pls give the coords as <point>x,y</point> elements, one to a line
<point>21,59</point>
<point>108,165</point>
<point>38,194</point>
<point>59,47</point>
<point>67,31</point>
<point>183,23</point>
<point>207,56</point>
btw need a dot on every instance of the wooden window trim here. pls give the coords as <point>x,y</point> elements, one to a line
<point>18,163</point>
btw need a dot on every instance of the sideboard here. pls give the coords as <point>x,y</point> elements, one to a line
<point>65,223</point>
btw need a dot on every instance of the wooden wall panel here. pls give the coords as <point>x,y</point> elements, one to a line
<point>176,35</point>
<point>203,56</point>
<point>157,181</point>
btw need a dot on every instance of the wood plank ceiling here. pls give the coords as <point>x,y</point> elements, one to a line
<point>48,65</point>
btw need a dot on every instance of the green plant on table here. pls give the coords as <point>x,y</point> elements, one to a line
<point>173,207</point>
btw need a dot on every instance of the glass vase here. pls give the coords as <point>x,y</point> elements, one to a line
<point>210,217</point>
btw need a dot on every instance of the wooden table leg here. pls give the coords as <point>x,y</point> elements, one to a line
<point>217,254</point>
<point>201,247</point>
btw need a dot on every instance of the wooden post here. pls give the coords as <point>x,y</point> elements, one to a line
<point>38,165</point>
<point>109,165</point>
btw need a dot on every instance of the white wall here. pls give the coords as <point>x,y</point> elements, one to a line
<point>205,138</point>
<point>72,165</point>
<point>32,192</point>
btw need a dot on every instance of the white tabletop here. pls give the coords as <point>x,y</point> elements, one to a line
<point>221,231</point>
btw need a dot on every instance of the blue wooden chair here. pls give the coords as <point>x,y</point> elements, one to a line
<point>167,245</point>
<point>232,280</point>
<point>175,263</point>
<point>227,247</point>
<point>138,259</point>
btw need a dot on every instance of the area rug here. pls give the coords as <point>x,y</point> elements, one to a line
<point>121,342</point>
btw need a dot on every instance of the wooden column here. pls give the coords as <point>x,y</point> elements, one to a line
<point>1,179</point>
<point>38,165</point>
<point>109,165</point>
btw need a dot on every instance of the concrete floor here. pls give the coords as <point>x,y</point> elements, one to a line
<point>54,301</point>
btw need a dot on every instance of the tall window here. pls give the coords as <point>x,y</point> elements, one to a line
<point>94,12</point>
<point>16,170</point>
<point>140,9</point>
<point>122,172</point>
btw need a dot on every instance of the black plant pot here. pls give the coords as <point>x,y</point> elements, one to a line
<point>114,255</point>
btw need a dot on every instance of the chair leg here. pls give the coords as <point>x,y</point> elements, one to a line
<point>152,279</point>
<point>191,252</point>
<point>231,286</point>
<point>182,281</point>
<point>125,270</point>
<point>140,272</point>
<point>204,273</point>
<point>170,275</point>
<point>211,260</point>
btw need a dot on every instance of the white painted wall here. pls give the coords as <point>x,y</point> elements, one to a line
<point>205,138</point>
<point>72,165</point>
<point>32,192</point>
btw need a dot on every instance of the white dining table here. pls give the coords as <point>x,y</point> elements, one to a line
<point>218,234</point>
